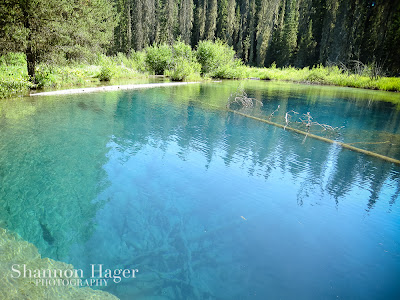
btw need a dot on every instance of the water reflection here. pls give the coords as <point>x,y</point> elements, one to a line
<point>257,148</point>
<point>364,123</point>
<point>207,204</point>
<point>51,170</point>
<point>183,178</point>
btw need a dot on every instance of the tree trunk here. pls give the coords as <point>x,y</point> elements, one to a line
<point>128,47</point>
<point>31,62</point>
<point>29,52</point>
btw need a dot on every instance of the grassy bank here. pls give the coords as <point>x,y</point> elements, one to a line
<point>327,75</point>
<point>14,77</point>
<point>178,62</point>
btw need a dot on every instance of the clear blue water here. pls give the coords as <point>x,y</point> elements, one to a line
<point>205,203</point>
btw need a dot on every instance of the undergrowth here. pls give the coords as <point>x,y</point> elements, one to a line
<point>180,63</point>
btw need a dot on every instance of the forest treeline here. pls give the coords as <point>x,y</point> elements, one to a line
<point>298,33</point>
<point>347,43</point>
<point>288,32</point>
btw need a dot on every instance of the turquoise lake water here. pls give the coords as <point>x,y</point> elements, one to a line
<point>205,203</point>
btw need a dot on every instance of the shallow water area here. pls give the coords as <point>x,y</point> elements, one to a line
<point>205,203</point>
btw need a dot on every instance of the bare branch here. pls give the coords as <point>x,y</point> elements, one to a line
<point>240,97</point>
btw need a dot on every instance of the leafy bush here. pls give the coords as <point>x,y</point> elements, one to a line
<point>106,73</point>
<point>45,77</point>
<point>183,63</point>
<point>107,68</point>
<point>217,59</point>
<point>185,69</point>
<point>14,78</point>
<point>134,60</point>
<point>387,84</point>
<point>316,75</point>
<point>139,60</point>
<point>13,59</point>
<point>11,86</point>
<point>158,58</point>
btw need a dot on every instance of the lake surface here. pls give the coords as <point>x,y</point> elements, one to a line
<point>205,203</point>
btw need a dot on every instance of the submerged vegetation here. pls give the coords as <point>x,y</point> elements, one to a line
<point>15,249</point>
<point>221,144</point>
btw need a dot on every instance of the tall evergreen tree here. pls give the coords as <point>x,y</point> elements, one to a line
<point>243,43</point>
<point>149,21</point>
<point>274,51</point>
<point>186,20</point>
<point>123,31</point>
<point>305,40</point>
<point>231,27</point>
<point>138,24</point>
<point>69,27</point>
<point>168,21</point>
<point>252,31</point>
<point>288,43</point>
<point>268,10</point>
<point>199,21</point>
<point>211,21</point>
<point>391,53</point>
<point>327,37</point>
<point>222,20</point>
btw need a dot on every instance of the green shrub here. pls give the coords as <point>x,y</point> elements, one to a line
<point>183,63</point>
<point>107,68</point>
<point>138,59</point>
<point>13,59</point>
<point>387,84</point>
<point>217,59</point>
<point>134,61</point>
<point>180,49</point>
<point>315,77</point>
<point>184,69</point>
<point>12,86</point>
<point>45,77</point>
<point>158,58</point>
<point>14,78</point>
<point>106,73</point>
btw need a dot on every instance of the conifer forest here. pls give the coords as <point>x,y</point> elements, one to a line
<point>294,33</point>
<point>288,32</point>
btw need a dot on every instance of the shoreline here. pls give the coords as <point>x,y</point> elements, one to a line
<point>110,88</point>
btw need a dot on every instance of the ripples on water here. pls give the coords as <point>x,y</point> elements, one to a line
<point>205,203</point>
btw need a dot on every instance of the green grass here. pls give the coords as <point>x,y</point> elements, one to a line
<point>14,79</point>
<point>326,75</point>
<point>13,75</point>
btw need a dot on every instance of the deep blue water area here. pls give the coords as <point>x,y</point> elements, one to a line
<point>205,203</point>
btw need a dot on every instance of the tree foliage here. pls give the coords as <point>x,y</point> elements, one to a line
<point>71,29</point>
<point>158,58</point>
<point>262,32</point>
<point>217,59</point>
<point>289,32</point>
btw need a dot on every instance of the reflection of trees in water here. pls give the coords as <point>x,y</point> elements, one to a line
<point>53,164</point>
<point>368,122</point>
<point>177,254</point>
<point>163,240</point>
<point>257,147</point>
